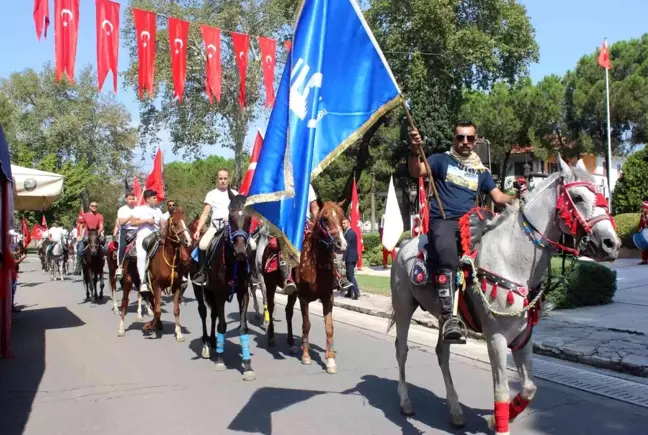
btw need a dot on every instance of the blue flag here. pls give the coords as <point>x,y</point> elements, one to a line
<point>335,85</point>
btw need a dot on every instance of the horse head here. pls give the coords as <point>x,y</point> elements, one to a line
<point>328,226</point>
<point>581,212</point>
<point>93,242</point>
<point>238,226</point>
<point>177,232</point>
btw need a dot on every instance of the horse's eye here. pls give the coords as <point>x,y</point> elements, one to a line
<point>577,199</point>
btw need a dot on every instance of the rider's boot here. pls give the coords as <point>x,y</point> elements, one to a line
<point>451,326</point>
<point>201,276</point>
<point>289,286</point>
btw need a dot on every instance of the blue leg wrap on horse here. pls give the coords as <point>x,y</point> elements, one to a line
<point>220,342</point>
<point>245,346</point>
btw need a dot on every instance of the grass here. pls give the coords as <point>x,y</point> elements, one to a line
<point>374,284</point>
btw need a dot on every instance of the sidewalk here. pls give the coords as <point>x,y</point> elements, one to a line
<point>613,336</point>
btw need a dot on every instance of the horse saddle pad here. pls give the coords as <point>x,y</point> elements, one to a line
<point>150,244</point>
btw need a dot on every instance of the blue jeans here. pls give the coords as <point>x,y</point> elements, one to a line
<point>14,285</point>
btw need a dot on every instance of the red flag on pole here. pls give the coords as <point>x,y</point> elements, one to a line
<point>211,38</point>
<point>355,221</point>
<point>66,32</point>
<point>79,220</point>
<point>107,41</point>
<point>25,231</point>
<point>145,28</point>
<point>178,37</point>
<point>138,191</point>
<point>424,211</point>
<point>154,180</point>
<point>241,45</point>
<point>254,158</point>
<point>41,17</point>
<point>44,222</point>
<point>604,56</point>
<point>268,52</point>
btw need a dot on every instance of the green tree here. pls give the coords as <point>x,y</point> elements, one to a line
<point>195,122</point>
<point>633,186</point>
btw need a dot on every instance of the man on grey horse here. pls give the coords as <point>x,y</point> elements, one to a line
<point>459,176</point>
<point>217,202</point>
<point>55,235</point>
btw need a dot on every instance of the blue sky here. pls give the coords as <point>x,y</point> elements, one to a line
<point>565,30</point>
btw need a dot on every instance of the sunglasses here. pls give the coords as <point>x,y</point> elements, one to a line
<point>93,205</point>
<point>461,137</point>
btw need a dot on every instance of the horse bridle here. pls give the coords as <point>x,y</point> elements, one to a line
<point>326,235</point>
<point>173,233</point>
<point>572,218</point>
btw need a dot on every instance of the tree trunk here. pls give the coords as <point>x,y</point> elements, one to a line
<point>503,168</point>
<point>373,202</point>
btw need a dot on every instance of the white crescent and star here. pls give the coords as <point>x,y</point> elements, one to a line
<point>103,26</point>
<point>69,13</point>
<point>213,47</point>
<point>175,41</point>
<point>268,59</point>
<point>148,37</point>
<point>241,54</point>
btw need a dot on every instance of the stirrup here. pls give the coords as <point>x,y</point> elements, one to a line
<point>451,326</point>
<point>200,279</point>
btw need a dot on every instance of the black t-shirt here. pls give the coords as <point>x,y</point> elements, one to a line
<point>457,185</point>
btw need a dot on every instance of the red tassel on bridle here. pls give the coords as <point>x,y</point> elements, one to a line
<point>509,298</point>
<point>494,291</point>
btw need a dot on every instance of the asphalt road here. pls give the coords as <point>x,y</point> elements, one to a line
<point>72,375</point>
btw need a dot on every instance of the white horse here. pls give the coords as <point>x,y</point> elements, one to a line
<point>515,251</point>
<point>55,257</point>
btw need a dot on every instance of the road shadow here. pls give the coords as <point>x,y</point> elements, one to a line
<point>168,328</point>
<point>22,374</point>
<point>30,284</point>
<point>432,410</point>
<point>256,415</point>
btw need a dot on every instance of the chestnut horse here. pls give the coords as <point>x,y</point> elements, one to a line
<point>93,265</point>
<point>315,278</point>
<point>167,267</point>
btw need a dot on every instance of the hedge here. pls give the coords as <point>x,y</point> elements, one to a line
<point>585,283</point>
<point>372,254</point>
<point>626,225</point>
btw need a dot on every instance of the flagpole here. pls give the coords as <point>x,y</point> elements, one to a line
<point>609,138</point>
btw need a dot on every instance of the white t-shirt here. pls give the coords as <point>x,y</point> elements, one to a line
<point>125,212</point>
<point>219,202</point>
<point>312,196</point>
<point>45,234</point>
<point>146,212</point>
<point>165,216</point>
<point>56,234</point>
<point>74,233</point>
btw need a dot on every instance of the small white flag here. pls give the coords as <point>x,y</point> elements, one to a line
<point>393,227</point>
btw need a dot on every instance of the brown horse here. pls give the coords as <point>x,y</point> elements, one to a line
<point>111,259</point>
<point>93,265</point>
<point>315,278</point>
<point>131,278</point>
<point>167,267</point>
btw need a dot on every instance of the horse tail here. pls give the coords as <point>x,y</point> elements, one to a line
<point>392,317</point>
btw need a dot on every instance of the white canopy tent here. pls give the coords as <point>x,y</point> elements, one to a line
<point>35,190</point>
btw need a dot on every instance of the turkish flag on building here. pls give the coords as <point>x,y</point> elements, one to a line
<point>107,40</point>
<point>355,221</point>
<point>145,29</point>
<point>211,38</point>
<point>424,210</point>
<point>178,37</point>
<point>66,32</point>
<point>288,45</point>
<point>154,180</point>
<point>241,44</point>
<point>254,158</point>
<point>138,191</point>
<point>41,17</point>
<point>268,53</point>
<point>25,231</point>
<point>604,56</point>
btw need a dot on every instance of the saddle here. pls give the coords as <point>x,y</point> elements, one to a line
<point>272,261</point>
<point>150,244</point>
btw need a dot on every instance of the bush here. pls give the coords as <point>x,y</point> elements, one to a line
<point>370,241</point>
<point>626,225</point>
<point>632,187</point>
<point>585,283</point>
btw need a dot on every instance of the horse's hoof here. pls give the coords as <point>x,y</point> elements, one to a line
<point>138,317</point>
<point>407,409</point>
<point>331,367</point>
<point>294,350</point>
<point>490,421</point>
<point>457,420</point>
<point>219,367</point>
<point>306,360</point>
<point>180,339</point>
<point>121,333</point>
<point>272,342</point>
<point>249,375</point>
<point>205,352</point>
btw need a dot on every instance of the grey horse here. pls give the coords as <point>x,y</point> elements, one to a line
<point>511,251</point>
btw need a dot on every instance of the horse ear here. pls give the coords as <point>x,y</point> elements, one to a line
<point>341,203</point>
<point>230,194</point>
<point>566,171</point>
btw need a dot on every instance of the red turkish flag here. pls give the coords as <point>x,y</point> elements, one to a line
<point>138,191</point>
<point>145,28</point>
<point>154,180</point>
<point>355,221</point>
<point>79,221</point>
<point>424,210</point>
<point>254,158</point>
<point>211,38</point>
<point>25,231</point>
<point>41,17</point>
<point>107,41</point>
<point>604,56</point>
<point>37,232</point>
<point>44,222</point>
<point>241,44</point>
<point>178,37</point>
<point>66,32</point>
<point>288,45</point>
<point>268,53</point>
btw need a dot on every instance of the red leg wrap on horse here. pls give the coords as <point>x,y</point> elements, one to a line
<point>501,417</point>
<point>517,405</point>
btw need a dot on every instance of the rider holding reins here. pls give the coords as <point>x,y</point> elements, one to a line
<point>459,176</point>
<point>147,220</point>
<point>124,228</point>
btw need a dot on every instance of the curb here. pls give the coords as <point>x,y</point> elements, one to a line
<point>538,348</point>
